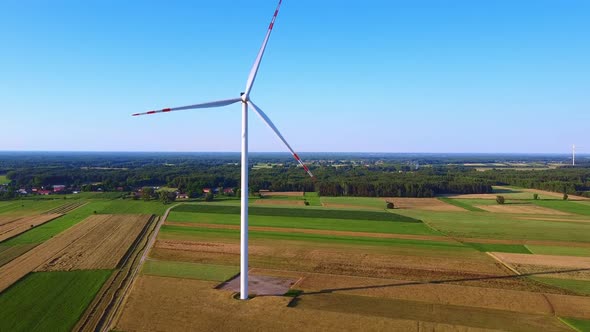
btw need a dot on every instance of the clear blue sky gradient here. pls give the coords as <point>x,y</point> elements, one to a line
<point>346,76</point>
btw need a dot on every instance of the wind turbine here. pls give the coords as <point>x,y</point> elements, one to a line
<point>246,101</point>
<point>573,155</point>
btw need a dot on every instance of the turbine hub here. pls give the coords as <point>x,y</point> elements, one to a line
<point>244,97</point>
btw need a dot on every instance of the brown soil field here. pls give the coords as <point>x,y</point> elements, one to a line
<point>322,232</point>
<point>283,193</point>
<point>475,269</point>
<point>29,261</point>
<point>436,313</point>
<point>570,306</point>
<point>103,248</point>
<point>172,304</point>
<point>286,202</point>
<point>5,219</point>
<point>521,209</point>
<point>545,260</point>
<point>427,204</point>
<point>17,226</point>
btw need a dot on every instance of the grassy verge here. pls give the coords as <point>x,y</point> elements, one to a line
<point>49,301</point>
<point>461,204</point>
<point>189,270</point>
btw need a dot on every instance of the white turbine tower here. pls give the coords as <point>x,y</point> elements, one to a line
<point>246,101</point>
<point>573,155</point>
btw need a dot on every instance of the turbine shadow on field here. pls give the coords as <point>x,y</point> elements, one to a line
<point>413,283</point>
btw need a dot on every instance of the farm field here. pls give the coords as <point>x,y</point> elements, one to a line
<point>65,295</point>
<point>74,254</point>
<point>430,264</point>
<point>450,263</point>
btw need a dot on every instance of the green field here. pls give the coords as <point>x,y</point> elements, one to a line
<point>8,252</point>
<point>299,213</point>
<point>313,198</point>
<point>306,223</point>
<point>562,251</point>
<point>581,325</point>
<point>27,207</point>
<point>581,287</point>
<point>367,202</point>
<point>565,206</point>
<point>190,270</point>
<point>4,179</point>
<point>490,247</point>
<point>49,301</point>
<point>181,232</point>
<point>501,226</point>
<point>461,203</point>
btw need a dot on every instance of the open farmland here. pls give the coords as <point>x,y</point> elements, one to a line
<point>10,227</point>
<point>413,269</point>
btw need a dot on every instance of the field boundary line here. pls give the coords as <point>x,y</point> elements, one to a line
<point>504,264</point>
<point>123,299</point>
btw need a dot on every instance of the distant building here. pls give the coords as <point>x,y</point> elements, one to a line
<point>181,196</point>
<point>44,192</point>
<point>228,190</point>
<point>59,188</point>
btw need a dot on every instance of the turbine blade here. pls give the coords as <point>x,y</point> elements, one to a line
<point>211,104</point>
<point>265,118</point>
<point>256,65</point>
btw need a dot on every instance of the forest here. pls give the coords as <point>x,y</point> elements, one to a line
<point>335,175</point>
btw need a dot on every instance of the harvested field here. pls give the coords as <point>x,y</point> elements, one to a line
<point>419,311</point>
<point>545,260</point>
<point>284,202</point>
<point>29,261</point>
<point>10,228</point>
<point>283,193</point>
<point>427,204</point>
<point>66,208</point>
<point>100,313</point>
<point>166,304</point>
<point>479,297</point>
<point>319,231</point>
<point>103,248</point>
<point>521,209</point>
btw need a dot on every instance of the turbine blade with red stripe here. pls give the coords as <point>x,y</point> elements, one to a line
<point>256,65</point>
<point>219,103</point>
<point>265,118</point>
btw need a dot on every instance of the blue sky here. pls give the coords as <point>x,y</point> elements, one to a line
<point>346,76</point>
